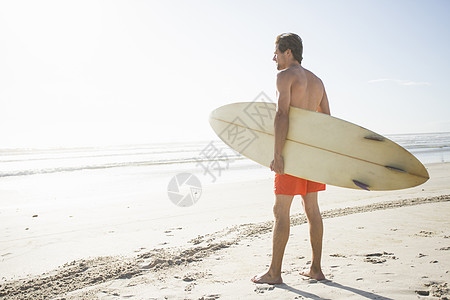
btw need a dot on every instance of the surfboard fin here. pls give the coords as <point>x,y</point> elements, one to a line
<point>375,137</point>
<point>361,185</point>
<point>395,169</point>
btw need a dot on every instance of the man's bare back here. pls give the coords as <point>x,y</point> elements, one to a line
<point>307,89</point>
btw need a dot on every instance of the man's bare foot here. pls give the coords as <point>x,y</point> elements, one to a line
<point>317,275</point>
<point>266,278</point>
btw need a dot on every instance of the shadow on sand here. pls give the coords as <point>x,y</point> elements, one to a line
<point>307,295</point>
<point>330,283</point>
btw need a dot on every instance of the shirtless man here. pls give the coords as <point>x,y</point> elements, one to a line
<point>296,87</point>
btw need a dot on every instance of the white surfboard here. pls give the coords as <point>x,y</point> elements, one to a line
<point>319,147</point>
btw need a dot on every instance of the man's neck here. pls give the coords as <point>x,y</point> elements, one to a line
<point>293,64</point>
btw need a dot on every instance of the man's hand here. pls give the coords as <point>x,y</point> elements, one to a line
<point>277,164</point>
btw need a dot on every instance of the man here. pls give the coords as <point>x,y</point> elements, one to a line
<point>296,87</point>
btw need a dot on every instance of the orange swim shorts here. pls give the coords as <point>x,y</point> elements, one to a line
<point>290,185</point>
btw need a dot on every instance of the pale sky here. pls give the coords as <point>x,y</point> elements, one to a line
<point>76,73</point>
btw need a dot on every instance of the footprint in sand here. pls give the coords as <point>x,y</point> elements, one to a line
<point>260,289</point>
<point>378,258</point>
<point>338,255</point>
<point>210,297</point>
<point>440,290</point>
<point>190,287</point>
<point>423,293</point>
<point>424,233</point>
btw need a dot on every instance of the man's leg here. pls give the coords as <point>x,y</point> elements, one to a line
<point>315,234</point>
<point>281,230</point>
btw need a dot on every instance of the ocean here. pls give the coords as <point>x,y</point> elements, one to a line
<point>427,147</point>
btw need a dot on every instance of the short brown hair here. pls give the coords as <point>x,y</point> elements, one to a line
<point>291,41</point>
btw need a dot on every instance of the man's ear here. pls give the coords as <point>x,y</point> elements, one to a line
<point>288,52</point>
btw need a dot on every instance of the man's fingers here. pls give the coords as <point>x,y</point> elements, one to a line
<point>281,170</point>
<point>277,167</point>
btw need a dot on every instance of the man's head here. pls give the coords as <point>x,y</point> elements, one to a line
<point>288,50</point>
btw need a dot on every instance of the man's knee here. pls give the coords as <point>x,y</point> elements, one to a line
<point>310,203</point>
<point>282,206</point>
<point>280,211</point>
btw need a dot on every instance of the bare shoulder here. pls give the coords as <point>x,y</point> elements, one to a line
<point>313,77</point>
<point>285,75</point>
<point>285,79</point>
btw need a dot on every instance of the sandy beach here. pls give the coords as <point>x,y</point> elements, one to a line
<point>377,245</point>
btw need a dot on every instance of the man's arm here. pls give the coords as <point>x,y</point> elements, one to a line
<point>281,123</point>
<point>324,106</point>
